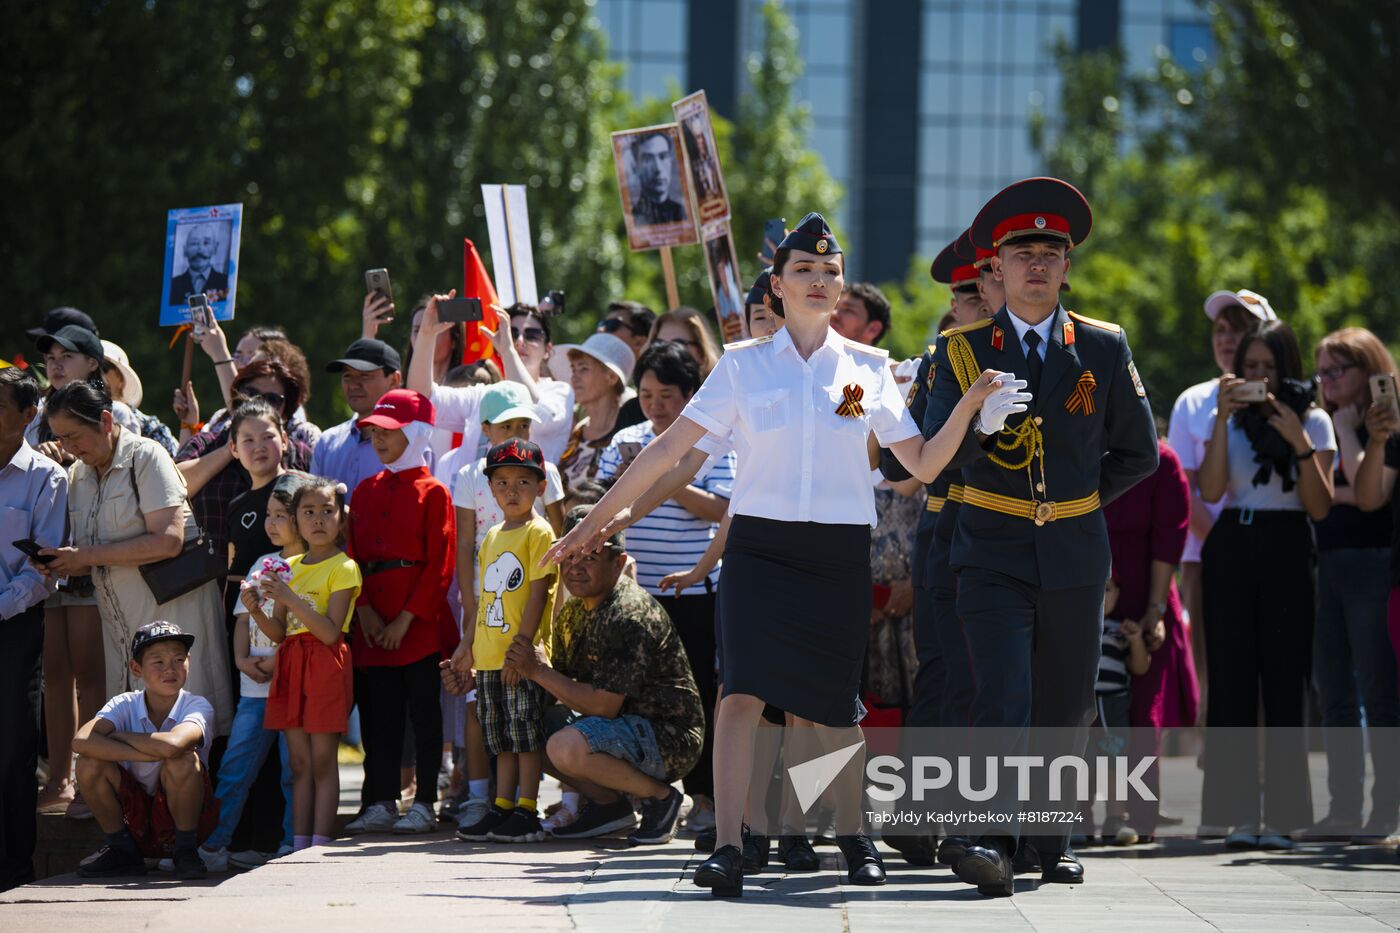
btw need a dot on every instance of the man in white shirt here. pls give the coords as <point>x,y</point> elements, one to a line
<point>142,763</point>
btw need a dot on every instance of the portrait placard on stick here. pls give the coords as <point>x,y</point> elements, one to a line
<point>512,258</point>
<point>654,188</point>
<point>201,255</point>
<point>723,266</point>
<point>702,158</point>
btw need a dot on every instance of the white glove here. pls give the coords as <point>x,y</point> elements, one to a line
<point>1005,401</point>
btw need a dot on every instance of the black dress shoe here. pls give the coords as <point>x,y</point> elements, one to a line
<point>989,869</point>
<point>722,873</point>
<point>1064,870</point>
<point>757,849</point>
<point>797,854</point>
<point>705,840</point>
<point>863,863</point>
<point>951,849</point>
<point>1026,859</point>
<point>916,850</point>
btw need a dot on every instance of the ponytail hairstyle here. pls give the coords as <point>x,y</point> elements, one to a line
<point>331,487</point>
<point>83,400</point>
<point>258,408</point>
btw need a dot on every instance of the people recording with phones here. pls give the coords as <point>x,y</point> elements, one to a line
<point>1270,464</point>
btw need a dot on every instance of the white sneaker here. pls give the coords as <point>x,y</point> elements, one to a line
<point>700,819</point>
<point>1126,836</point>
<point>246,860</point>
<point>377,818</point>
<point>471,812</point>
<point>214,859</point>
<point>419,819</point>
<point>558,819</point>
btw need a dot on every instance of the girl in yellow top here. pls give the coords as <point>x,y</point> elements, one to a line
<point>311,689</point>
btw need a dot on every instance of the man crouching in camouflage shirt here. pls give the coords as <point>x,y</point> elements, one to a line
<point>637,724</point>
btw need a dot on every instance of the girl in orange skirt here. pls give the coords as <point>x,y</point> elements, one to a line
<point>311,689</point>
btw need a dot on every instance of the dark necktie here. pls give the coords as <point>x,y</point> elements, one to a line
<point>1034,363</point>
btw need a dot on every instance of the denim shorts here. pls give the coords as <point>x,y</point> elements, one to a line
<point>629,738</point>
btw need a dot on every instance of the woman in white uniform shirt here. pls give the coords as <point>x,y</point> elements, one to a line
<point>795,597</point>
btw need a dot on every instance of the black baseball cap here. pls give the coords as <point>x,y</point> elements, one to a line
<point>516,453</point>
<point>74,339</point>
<point>153,632</point>
<point>367,354</point>
<point>58,318</point>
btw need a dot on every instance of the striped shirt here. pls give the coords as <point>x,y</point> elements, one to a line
<point>1113,660</point>
<point>670,539</point>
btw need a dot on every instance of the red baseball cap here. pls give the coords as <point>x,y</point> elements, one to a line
<point>399,407</point>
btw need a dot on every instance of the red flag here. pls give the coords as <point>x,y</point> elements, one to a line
<point>476,283</point>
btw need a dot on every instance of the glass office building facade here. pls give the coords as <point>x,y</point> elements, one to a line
<point>919,108</point>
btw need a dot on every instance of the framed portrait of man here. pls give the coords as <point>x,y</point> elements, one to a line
<point>702,157</point>
<point>723,266</point>
<point>201,257</point>
<point>654,188</point>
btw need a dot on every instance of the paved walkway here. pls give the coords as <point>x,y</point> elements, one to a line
<point>403,884</point>
<point>423,884</point>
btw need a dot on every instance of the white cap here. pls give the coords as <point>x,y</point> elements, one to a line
<point>132,393</point>
<point>1253,302</point>
<point>612,352</point>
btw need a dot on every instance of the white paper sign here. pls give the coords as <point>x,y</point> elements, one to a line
<point>512,261</point>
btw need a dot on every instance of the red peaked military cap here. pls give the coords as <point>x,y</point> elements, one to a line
<point>953,266</point>
<point>1033,209</point>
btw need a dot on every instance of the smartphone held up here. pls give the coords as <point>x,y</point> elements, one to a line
<point>377,282</point>
<point>201,317</point>
<point>1383,392</point>
<point>459,310</point>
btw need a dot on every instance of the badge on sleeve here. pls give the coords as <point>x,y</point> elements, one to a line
<point>1081,400</point>
<point>850,402</point>
<point>913,391</point>
<point>1137,380</point>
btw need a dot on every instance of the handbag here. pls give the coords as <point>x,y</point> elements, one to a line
<point>195,565</point>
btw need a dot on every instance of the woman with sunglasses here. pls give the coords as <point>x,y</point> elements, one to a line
<point>526,353</point>
<point>206,460</point>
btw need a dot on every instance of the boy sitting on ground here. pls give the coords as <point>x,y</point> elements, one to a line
<point>141,764</point>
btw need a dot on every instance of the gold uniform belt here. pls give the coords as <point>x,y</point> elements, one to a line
<point>936,503</point>
<point>1038,512</point>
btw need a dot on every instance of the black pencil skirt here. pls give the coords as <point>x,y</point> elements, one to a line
<point>794,616</point>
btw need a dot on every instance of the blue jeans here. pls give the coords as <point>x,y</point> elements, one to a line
<point>248,745</point>
<point>1354,667</point>
<point>629,738</point>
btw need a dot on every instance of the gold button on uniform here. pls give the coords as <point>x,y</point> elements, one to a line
<point>1038,419</point>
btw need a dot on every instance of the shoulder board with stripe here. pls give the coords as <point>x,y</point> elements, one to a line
<point>1102,325</point>
<point>965,328</point>
<point>751,342</point>
<point>863,348</point>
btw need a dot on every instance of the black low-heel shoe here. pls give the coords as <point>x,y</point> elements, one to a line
<point>863,862</point>
<point>722,873</point>
<point>951,849</point>
<point>989,869</point>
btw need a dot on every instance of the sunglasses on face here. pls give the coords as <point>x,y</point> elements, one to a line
<point>276,399</point>
<point>612,325</point>
<point>529,335</point>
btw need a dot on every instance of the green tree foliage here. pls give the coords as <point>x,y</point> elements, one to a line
<point>1306,90</point>
<point>1171,226</point>
<point>356,133</point>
